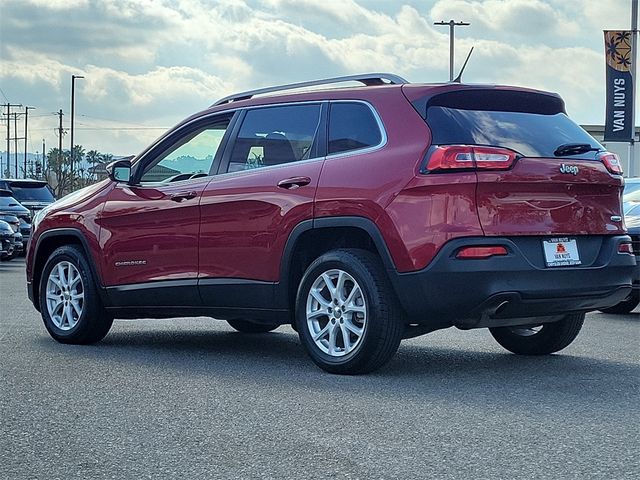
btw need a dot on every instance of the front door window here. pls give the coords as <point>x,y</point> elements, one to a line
<point>191,158</point>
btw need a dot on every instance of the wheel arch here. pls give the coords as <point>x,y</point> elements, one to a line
<point>48,242</point>
<point>311,238</point>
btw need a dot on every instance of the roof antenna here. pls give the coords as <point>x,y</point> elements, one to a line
<point>458,79</point>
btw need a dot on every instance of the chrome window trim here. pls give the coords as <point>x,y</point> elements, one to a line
<point>232,111</point>
<point>360,151</point>
<point>264,169</point>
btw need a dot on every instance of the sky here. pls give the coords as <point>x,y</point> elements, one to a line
<point>150,63</point>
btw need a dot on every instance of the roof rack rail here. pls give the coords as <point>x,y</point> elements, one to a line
<point>366,79</point>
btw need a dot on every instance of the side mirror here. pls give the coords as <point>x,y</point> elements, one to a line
<point>119,171</point>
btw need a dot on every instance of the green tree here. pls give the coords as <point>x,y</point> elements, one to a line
<point>59,171</point>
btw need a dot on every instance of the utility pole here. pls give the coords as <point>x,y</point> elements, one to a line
<point>15,140</point>
<point>452,25</point>
<point>60,133</point>
<point>26,116</point>
<point>43,156</point>
<point>73,95</point>
<point>8,114</point>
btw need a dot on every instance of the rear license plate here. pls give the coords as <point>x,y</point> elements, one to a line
<point>561,252</point>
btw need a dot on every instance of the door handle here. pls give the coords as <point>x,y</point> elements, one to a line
<point>178,197</point>
<point>294,182</point>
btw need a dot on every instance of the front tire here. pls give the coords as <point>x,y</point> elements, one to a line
<point>347,315</point>
<point>69,302</point>
<point>245,326</point>
<point>542,339</point>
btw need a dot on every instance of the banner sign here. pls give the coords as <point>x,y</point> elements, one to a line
<point>618,127</point>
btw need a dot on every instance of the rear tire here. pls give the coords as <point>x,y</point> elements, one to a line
<point>347,314</point>
<point>625,306</point>
<point>245,326</point>
<point>541,339</point>
<point>69,302</point>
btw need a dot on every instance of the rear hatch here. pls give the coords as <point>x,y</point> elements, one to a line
<point>34,195</point>
<point>538,172</point>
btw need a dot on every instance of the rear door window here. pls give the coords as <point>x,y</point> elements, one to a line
<point>352,126</point>
<point>275,135</point>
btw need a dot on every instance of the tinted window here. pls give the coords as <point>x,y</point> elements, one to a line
<point>530,134</point>
<point>189,158</point>
<point>533,124</point>
<point>275,135</point>
<point>352,126</point>
<point>35,192</point>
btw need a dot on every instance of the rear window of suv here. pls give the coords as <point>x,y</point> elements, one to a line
<point>31,192</point>
<point>532,124</point>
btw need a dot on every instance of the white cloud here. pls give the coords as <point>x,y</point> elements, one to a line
<point>513,17</point>
<point>156,61</point>
<point>58,4</point>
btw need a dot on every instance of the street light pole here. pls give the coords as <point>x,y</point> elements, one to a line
<point>452,25</point>
<point>73,94</point>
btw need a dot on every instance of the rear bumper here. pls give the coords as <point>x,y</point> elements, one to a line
<point>506,290</point>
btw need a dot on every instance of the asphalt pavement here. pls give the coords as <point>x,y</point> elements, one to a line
<point>191,398</point>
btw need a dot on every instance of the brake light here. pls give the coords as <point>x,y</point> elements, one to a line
<point>625,248</point>
<point>451,157</point>
<point>611,161</point>
<point>478,253</point>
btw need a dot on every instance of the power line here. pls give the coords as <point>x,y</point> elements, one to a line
<point>105,128</point>
<point>122,128</point>
<point>120,122</point>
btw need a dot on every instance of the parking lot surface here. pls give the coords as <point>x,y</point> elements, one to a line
<point>191,398</point>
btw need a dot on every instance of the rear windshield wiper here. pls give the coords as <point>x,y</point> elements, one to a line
<point>574,149</point>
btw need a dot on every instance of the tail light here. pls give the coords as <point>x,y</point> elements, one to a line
<point>479,253</point>
<point>626,247</point>
<point>452,157</point>
<point>611,161</point>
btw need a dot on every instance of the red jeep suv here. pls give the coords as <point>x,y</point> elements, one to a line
<point>359,215</point>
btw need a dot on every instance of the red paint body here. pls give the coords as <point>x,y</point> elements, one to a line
<point>237,224</point>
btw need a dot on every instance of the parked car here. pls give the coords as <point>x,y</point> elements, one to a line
<point>631,206</point>
<point>32,194</point>
<point>359,215</point>
<point>10,206</point>
<point>14,223</point>
<point>6,241</point>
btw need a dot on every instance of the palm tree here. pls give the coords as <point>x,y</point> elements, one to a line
<point>93,158</point>
<point>106,157</point>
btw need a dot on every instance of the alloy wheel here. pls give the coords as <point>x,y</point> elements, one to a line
<point>65,295</point>
<point>336,313</point>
